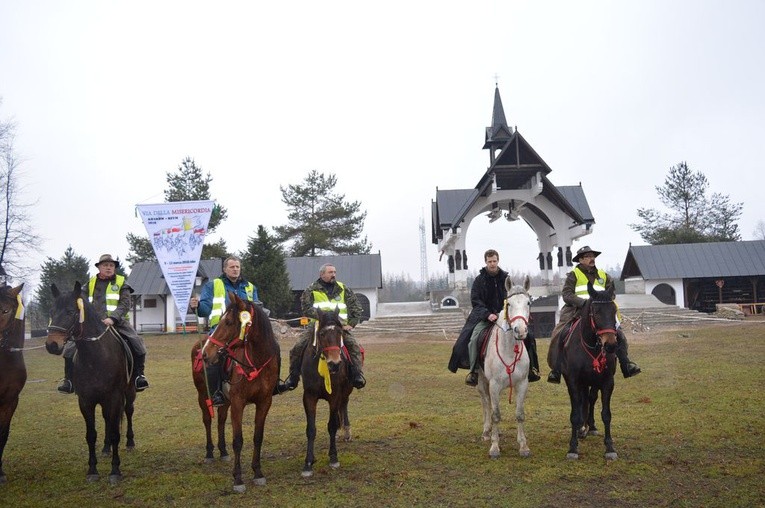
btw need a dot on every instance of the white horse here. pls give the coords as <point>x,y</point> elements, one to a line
<point>506,364</point>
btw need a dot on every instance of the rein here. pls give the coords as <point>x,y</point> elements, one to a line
<point>227,349</point>
<point>599,359</point>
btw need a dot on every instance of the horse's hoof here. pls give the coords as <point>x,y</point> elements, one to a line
<point>611,456</point>
<point>593,432</point>
<point>114,479</point>
<point>225,458</point>
<point>334,465</point>
<point>494,454</point>
<point>525,453</point>
<point>209,460</point>
<point>240,489</point>
<point>92,478</point>
<point>306,473</point>
<point>259,481</point>
<point>572,456</point>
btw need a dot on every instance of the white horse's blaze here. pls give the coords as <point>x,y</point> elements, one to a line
<point>503,368</point>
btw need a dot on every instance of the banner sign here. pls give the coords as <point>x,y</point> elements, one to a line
<point>177,231</point>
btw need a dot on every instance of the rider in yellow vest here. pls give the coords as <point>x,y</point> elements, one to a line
<point>110,295</point>
<point>327,293</point>
<point>575,295</point>
<point>212,304</point>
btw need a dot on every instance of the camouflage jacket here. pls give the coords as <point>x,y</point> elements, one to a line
<point>355,310</point>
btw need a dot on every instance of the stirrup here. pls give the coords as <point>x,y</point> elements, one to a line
<point>141,383</point>
<point>553,377</point>
<point>534,375</point>
<point>631,370</point>
<point>472,378</point>
<point>66,387</point>
<point>359,382</point>
<point>218,399</point>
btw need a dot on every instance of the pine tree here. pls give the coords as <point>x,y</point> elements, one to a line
<point>693,218</point>
<point>263,264</point>
<point>63,272</point>
<point>321,221</point>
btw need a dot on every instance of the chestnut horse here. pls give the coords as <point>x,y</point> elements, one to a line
<point>244,340</point>
<point>506,365</point>
<point>588,366</point>
<point>325,371</point>
<point>13,372</point>
<point>100,374</point>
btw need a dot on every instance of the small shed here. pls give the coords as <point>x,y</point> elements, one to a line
<point>699,275</point>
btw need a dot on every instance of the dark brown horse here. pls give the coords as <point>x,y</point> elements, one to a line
<point>13,372</point>
<point>325,372</point>
<point>100,373</point>
<point>588,366</point>
<point>205,404</point>
<point>245,340</point>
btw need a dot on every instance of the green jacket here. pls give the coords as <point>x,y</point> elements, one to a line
<point>355,311</point>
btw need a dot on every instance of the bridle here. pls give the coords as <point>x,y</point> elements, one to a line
<point>70,332</point>
<point>225,348</point>
<point>517,317</point>
<point>328,328</point>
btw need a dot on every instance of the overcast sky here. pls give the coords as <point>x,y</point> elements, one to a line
<point>392,97</point>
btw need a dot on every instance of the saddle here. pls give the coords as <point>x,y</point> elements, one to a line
<point>483,343</point>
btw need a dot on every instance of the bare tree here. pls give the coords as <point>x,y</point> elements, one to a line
<point>759,230</point>
<point>17,238</point>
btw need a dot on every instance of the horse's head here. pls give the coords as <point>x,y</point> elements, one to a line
<point>518,308</point>
<point>67,318</point>
<point>601,310</point>
<point>231,330</point>
<point>329,334</point>
<point>10,300</point>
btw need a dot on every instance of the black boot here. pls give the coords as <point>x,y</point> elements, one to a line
<point>472,378</point>
<point>554,375</point>
<point>294,376</point>
<point>215,385</point>
<point>357,377</point>
<point>531,345</point>
<point>629,368</point>
<point>66,385</point>
<point>141,383</point>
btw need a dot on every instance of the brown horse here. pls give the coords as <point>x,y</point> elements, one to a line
<point>325,372</point>
<point>588,366</point>
<point>100,373</point>
<point>13,372</point>
<point>244,340</point>
<point>205,404</point>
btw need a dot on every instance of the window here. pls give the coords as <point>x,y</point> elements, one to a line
<point>150,303</point>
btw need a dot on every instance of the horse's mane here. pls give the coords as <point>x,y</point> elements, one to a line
<point>262,326</point>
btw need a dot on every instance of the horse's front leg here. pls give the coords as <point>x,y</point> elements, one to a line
<point>592,430</point>
<point>577,395</point>
<point>483,390</point>
<point>6,413</point>
<point>605,413</point>
<point>237,410</point>
<point>333,424</point>
<point>261,411</point>
<point>495,391</point>
<point>114,413</point>
<point>309,405</point>
<point>89,414</point>
<point>129,409</point>
<point>520,388</point>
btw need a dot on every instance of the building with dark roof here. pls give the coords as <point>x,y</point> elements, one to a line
<point>515,186</point>
<point>698,275</point>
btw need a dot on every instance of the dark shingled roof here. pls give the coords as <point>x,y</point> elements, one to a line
<point>695,260</point>
<point>355,271</point>
<point>146,277</point>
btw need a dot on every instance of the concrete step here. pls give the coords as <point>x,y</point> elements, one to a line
<point>436,322</point>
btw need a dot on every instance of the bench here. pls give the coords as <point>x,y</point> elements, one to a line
<point>750,309</point>
<point>152,327</point>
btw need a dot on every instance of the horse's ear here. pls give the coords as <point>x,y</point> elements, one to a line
<point>15,291</point>
<point>527,283</point>
<point>508,283</point>
<point>54,290</point>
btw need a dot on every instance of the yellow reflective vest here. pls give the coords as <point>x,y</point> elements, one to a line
<point>598,284</point>
<point>219,299</point>
<point>321,301</point>
<point>112,295</point>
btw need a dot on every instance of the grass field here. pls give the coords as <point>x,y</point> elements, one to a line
<point>690,431</point>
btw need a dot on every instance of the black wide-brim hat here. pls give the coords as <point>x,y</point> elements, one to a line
<point>585,250</point>
<point>107,258</point>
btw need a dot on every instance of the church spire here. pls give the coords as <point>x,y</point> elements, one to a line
<point>499,132</point>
